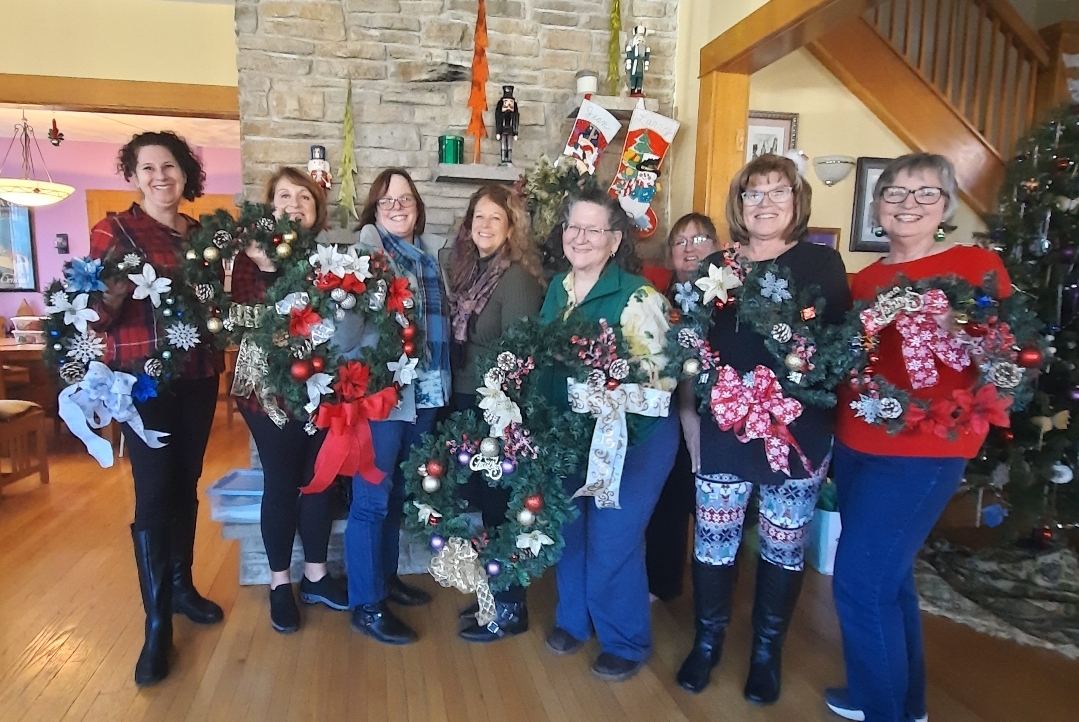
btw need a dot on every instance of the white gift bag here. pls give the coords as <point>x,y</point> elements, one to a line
<point>823,539</point>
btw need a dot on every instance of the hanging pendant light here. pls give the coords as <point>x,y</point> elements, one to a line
<point>27,190</point>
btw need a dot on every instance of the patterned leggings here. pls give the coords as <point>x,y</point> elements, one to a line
<point>785,513</point>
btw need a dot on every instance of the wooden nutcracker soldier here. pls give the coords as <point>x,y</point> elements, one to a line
<point>637,56</point>
<point>507,123</point>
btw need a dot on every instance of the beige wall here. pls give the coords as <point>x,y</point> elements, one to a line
<point>150,40</point>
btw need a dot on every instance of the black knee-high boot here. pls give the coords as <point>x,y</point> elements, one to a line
<point>152,560</point>
<point>713,592</point>
<point>777,593</point>
<point>185,598</point>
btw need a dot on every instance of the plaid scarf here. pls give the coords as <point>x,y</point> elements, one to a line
<point>411,258</point>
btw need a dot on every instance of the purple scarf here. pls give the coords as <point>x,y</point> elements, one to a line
<point>477,292</point>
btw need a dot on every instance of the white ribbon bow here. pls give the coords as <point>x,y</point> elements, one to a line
<point>533,541</point>
<point>317,387</point>
<point>103,396</point>
<point>611,437</point>
<point>322,331</point>
<point>296,300</point>
<point>75,314</point>
<point>148,285</point>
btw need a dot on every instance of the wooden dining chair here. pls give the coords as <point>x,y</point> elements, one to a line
<point>23,444</point>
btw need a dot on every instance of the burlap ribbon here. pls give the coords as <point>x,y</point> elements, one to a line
<point>249,377</point>
<point>457,566</point>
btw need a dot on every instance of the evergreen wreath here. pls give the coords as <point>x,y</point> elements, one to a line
<point>72,343</point>
<point>1000,337</point>
<point>219,239</point>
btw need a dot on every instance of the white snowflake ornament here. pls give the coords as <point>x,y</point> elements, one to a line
<point>182,335</point>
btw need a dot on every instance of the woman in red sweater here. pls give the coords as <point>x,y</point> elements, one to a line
<point>893,488</point>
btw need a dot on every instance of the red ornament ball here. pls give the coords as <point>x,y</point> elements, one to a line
<point>1030,357</point>
<point>675,316</point>
<point>409,348</point>
<point>977,330</point>
<point>534,503</point>
<point>1063,164</point>
<point>318,364</point>
<point>301,370</point>
<point>408,333</point>
<point>612,384</point>
<point>435,468</point>
<point>1007,436</point>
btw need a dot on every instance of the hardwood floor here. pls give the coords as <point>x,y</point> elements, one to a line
<point>71,629</point>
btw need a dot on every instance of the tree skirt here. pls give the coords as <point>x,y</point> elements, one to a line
<point>1029,596</point>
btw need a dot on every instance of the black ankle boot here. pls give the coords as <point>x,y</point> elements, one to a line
<point>511,619</point>
<point>405,594</point>
<point>185,598</point>
<point>777,593</point>
<point>152,561</point>
<point>713,592</point>
<point>380,624</point>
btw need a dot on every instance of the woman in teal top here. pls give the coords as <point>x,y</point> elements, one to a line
<point>601,578</point>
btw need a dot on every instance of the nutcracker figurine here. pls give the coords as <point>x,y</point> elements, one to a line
<point>507,122</point>
<point>319,168</point>
<point>637,56</point>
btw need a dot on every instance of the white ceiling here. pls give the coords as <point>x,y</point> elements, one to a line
<point>118,128</point>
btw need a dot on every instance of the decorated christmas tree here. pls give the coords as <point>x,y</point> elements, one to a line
<point>1036,231</point>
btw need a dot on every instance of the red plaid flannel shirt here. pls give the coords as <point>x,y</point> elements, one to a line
<point>131,333</point>
<point>249,286</point>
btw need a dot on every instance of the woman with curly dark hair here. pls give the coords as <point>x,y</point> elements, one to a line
<point>163,169</point>
<point>495,281</point>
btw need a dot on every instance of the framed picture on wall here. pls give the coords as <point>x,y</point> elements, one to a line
<point>770,133</point>
<point>18,266</point>
<point>861,224</point>
<point>824,237</point>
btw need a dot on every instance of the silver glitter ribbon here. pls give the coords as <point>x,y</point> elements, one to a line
<point>457,565</point>
<point>249,378</point>
<point>297,300</point>
<point>611,437</point>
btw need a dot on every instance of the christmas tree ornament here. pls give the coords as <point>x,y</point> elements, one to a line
<point>494,568</point>
<point>489,447</point>
<point>318,364</point>
<point>637,179</point>
<point>526,517</point>
<point>214,325</point>
<point>435,468</point>
<point>464,458</point>
<point>1030,357</point>
<point>1061,474</point>
<point>691,367</point>
<point>283,250</point>
<point>534,503</point>
<point>301,370</point>
<point>508,467</point>
<point>437,542</point>
<point>211,254</point>
<point>338,294</point>
<point>431,484</point>
<point>593,129</point>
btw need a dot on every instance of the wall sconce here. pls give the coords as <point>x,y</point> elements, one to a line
<point>833,168</point>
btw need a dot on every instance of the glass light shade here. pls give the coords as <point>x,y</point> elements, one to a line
<point>33,193</point>
<point>833,168</point>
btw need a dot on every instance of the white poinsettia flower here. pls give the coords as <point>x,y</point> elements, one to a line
<point>329,260</point>
<point>533,541</point>
<point>58,303</point>
<point>717,283</point>
<point>404,370</point>
<point>78,314</point>
<point>149,285</point>
<point>427,512</point>
<point>499,410</point>
<point>317,387</point>
<point>360,266</point>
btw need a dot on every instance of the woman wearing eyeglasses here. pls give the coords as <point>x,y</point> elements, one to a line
<point>392,222</point>
<point>601,577</point>
<point>893,488</point>
<point>768,209</point>
<point>692,239</point>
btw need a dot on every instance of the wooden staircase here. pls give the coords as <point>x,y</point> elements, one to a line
<point>955,77</point>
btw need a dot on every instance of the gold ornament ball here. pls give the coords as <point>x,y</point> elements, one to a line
<point>794,362</point>
<point>192,254</point>
<point>284,250</point>
<point>526,517</point>
<point>961,318</point>
<point>431,484</point>
<point>288,237</point>
<point>210,253</point>
<point>691,367</point>
<point>214,325</point>
<point>489,446</point>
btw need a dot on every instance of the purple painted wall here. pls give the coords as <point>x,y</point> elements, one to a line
<point>91,166</point>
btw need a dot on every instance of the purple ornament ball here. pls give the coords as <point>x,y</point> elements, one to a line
<point>494,568</point>
<point>464,458</point>
<point>1074,393</point>
<point>437,542</point>
<point>1067,254</point>
<point>508,466</point>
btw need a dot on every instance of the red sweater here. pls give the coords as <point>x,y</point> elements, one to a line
<point>968,262</point>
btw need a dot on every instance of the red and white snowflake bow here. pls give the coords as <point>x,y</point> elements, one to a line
<point>754,406</point>
<point>913,314</point>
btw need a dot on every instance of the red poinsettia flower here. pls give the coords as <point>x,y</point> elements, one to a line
<point>352,379</point>
<point>326,281</point>
<point>938,419</point>
<point>301,320</point>
<point>398,292</point>
<point>352,283</point>
<point>984,407</point>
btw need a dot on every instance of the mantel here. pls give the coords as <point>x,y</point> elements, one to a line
<point>620,106</point>
<point>477,173</point>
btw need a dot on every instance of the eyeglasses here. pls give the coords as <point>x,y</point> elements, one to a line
<point>404,202</point>
<point>683,242</point>
<point>926,195</point>
<point>755,198</point>
<point>592,235</point>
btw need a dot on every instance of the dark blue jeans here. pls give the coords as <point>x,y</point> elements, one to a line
<point>888,506</point>
<point>602,582</point>
<point>372,537</point>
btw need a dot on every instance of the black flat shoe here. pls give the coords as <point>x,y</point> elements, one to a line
<point>612,668</point>
<point>561,642</point>
<point>510,620</point>
<point>469,612</point>
<point>380,624</point>
<point>404,594</point>
<point>284,614</point>
<point>328,591</point>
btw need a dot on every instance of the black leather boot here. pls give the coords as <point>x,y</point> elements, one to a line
<point>511,619</point>
<point>777,593</point>
<point>152,561</point>
<point>185,598</point>
<point>380,624</point>
<point>713,592</point>
<point>405,594</point>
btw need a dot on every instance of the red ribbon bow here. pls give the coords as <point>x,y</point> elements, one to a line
<point>754,406</point>
<point>923,338</point>
<point>301,320</point>
<point>348,448</point>
<point>330,281</point>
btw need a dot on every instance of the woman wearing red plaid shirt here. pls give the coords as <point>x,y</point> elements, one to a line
<point>287,452</point>
<point>163,169</point>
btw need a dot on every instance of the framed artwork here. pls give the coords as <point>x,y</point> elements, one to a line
<point>824,237</point>
<point>770,133</point>
<point>861,224</point>
<point>18,266</point>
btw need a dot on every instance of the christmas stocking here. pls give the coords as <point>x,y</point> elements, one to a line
<point>592,131</point>
<point>636,182</point>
